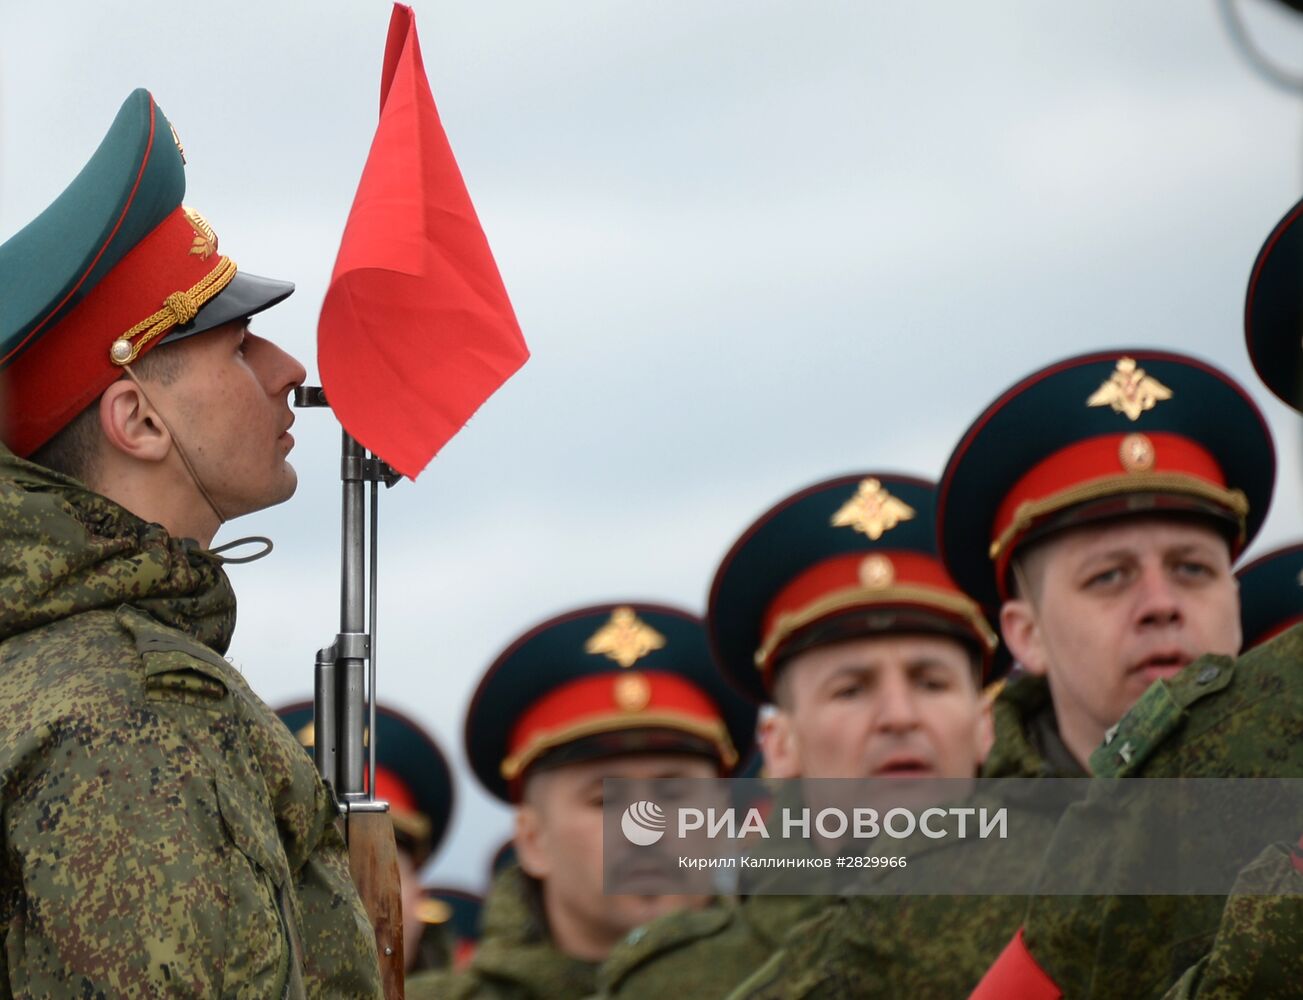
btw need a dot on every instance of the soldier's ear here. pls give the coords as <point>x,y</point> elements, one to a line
<point>531,850</point>
<point>985,730</point>
<point>130,425</point>
<point>1021,629</point>
<point>778,743</point>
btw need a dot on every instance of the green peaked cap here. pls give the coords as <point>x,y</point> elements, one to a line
<point>133,180</point>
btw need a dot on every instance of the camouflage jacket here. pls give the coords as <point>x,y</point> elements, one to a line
<point>705,953</point>
<point>164,835</point>
<point>926,945</point>
<point>906,946</point>
<point>1258,950</point>
<point>710,952</point>
<point>1221,718</point>
<point>515,959</point>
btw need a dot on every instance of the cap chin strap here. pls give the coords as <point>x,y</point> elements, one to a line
<point>203,490</point>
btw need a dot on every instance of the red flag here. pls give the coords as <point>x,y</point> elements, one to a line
<point>416,329</point>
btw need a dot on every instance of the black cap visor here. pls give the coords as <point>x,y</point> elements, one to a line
<point>245,296</point>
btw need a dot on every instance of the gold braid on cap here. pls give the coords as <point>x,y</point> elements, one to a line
<point>714,732</point>
<point>179,308</point>
<point>853,598</point>
<point>1175,483</point>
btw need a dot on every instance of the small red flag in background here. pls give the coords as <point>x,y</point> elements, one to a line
<point>416,330</point>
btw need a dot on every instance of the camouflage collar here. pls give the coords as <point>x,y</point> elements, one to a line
<point>67,550</point>
<point>517,949</point>
<point>1027,741</point>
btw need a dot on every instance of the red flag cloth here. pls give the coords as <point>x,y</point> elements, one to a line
<point>1016,974</point>
<point>416,330</point>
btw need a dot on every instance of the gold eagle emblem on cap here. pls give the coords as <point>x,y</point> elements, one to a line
<point>872,510</point>
<point>1129,390</point>
<point>626,638</point>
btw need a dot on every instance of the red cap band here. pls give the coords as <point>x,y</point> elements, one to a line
<point>873,578</point>
<point>68,367</point>
<point>392,789</point>
<point>602,703</point>
<point>1106,466</point>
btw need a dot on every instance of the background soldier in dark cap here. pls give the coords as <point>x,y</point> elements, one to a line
<point>452,926</point>
<point>1271,594</point>
<point>834,607</point>
<point>1219,718</point>
<point>1102,500</point>
<point>164,833</point>
<point>413,776</point>
<point>613,691</point>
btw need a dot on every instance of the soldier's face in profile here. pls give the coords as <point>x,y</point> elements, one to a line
<point>1113,607</point>
<point>229,406</point>
<point>559,842</point>
<point>879,707</point>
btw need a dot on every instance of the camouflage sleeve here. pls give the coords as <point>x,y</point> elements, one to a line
<point>1258,951</point>
<point>124,878</point>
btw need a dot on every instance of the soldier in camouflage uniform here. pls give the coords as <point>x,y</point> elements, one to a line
<point>1102,501</point>
<point>612,691</point>
<point>1219,718</point>
<point>834,606</point>
<point>164,834</point>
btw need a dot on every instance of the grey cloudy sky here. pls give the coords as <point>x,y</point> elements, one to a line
<point>751,244</point>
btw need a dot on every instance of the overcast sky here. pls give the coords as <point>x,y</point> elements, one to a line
<point>751,245</point>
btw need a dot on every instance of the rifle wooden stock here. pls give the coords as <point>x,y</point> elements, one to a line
<point>373,862</point>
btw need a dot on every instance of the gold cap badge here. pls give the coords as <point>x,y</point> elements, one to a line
<point>205,241</point>
<point>872,510</point>
<point>1129,390</point>
<point>877,572</point>
<point>1136,453</point>
<point>626,639</point>
<point>632,692</point>
<point>433,911</point>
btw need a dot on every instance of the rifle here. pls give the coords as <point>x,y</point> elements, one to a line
<point>414,274</point>
<point>344,705</point>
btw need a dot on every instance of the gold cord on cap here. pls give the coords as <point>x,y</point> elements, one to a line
<point>179,308</point>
